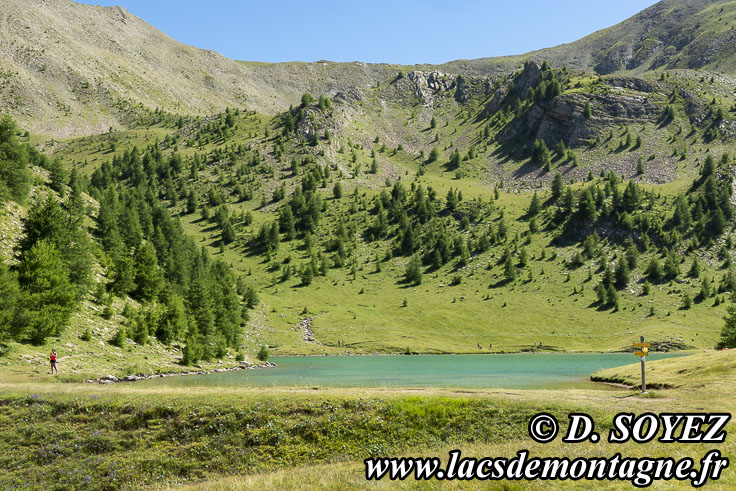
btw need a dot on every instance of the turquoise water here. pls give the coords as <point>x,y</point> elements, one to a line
<point>513,371</point>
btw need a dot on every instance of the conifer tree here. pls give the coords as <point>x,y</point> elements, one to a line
<point>612,297</point>
<point>705,289</point>
<point>671,266</point>
<point>273,237</point>
<point>148,277</point>
<point>455,159</point>
<point>728,332</point>
<point>509,269</point>
<point>534,206</point>
<point>587,112</point>
<point>708,166</point>
<point>306,275</point>
<point>413,273</point>
<point>622,274</point>
<point>14,176</point>
<point>228,232</point>
<point>557,186</point>
<point>694,269</point>
<point>654,270</point>
<point>191,201</point>
<point>287,223</point>
<point>10,297</point>
<point>49,297</point>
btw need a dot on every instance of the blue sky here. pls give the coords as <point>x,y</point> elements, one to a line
<point>391,31</point>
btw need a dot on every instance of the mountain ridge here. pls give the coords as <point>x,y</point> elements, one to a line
<point>69,69</point>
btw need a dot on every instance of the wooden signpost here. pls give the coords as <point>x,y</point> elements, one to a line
<point>643,352</point>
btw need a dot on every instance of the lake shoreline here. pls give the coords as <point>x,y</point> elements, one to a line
<point>513,371</point>
<point>523,352</point>
<point>111,379</point>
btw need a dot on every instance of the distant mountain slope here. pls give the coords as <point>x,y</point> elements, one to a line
<point>85,68</point>
<point>71,69</point>
<point>670,34</point>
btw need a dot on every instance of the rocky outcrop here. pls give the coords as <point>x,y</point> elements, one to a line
<point>496,101</point>
<point>562,118</point>
<point>529,77</point>
<point>347,96</point>
<point>306,126</point>
<point>467,88</point>
<point>426,84</point>
<point>631,83</point>
<point>462,90</point>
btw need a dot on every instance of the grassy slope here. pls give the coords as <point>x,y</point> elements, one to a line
<point>710,369</point>
<point>366,312</point>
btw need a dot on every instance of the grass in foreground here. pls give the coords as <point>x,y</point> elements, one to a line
<point>106,439</point>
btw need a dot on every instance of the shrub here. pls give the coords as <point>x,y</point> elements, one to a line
<point>687,302</point>
<point>263,353</point>
<point>120,337</point>
<point>108,312</point>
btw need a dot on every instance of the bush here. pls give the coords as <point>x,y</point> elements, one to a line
<point>687,302</point>
<point>120,337</point>
<point>86,335</point>
<point>307,275</point>
<point>128,311</point>
<point>192,352</point>
<point>108,312</point>
<point>100,293</point>
<point>263,353</point>
<point>220,348</point>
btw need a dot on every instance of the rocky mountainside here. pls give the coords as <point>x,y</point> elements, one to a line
<point>670,34</point>
<point>68,69</point>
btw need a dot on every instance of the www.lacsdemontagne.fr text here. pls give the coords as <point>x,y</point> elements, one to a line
<point>641,472</point>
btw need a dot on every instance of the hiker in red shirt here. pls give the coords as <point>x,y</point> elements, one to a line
<point>52,358</point>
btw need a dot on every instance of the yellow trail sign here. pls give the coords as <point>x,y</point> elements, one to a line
<point>642,345</point>
<point>643,350</point>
